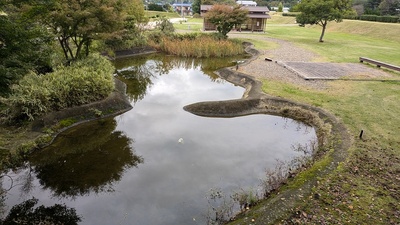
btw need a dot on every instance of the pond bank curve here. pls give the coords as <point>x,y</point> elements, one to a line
<point>333,137</point>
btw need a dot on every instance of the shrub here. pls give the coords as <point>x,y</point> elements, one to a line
<point>155,7</point>
<point>368,17</point>
<point>385,19</point>
<point>165,26</point>
<point>196,15</point>
<point>83,82</point>
<point>293,14</point>
<point>388,19</point>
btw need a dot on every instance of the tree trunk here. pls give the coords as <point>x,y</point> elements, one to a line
<point>87,45</point>
<point>63,47</point>
<point>321,38</point>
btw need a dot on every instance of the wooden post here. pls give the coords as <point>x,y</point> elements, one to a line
<point>361,134</point>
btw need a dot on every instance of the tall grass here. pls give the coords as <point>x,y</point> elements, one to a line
<point>198,46</point>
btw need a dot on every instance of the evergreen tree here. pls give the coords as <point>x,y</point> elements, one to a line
<point>196,6</point>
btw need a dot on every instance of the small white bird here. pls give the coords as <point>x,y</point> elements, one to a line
<point>180,140</point>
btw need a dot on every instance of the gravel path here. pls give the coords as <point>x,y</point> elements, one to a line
<point>292,64</point>
<point>262,69</point>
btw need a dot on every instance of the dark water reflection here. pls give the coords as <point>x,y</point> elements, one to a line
<point>156,164</point>
<point>138,73</point>
<point>86,160</point>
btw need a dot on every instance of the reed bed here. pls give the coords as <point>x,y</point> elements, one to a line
<point>199,46</point>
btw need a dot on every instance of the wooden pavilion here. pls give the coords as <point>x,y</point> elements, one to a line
<point>257,18</point>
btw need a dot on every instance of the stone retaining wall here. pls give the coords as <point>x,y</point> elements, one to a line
<point>116,103</point>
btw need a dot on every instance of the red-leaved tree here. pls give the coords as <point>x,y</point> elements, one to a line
<point>225,17</point>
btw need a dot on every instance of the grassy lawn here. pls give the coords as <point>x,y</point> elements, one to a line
<point>192,24</point>
<point>368,182</point>
<point>365,188</point>
<point>343,42</point>
<point>159,14</point>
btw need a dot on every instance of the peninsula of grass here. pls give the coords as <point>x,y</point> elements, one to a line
<point>364,189</point>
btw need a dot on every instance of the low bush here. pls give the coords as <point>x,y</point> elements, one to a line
<point>388,19</point>
<point>196,15</point>
<point>385,19</point>
<point>293,14</point>
<point>80,83</point>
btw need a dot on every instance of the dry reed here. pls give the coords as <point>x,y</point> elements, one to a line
<point>203,46</point>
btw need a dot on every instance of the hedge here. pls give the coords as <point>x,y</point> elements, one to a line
<point>375,18</point>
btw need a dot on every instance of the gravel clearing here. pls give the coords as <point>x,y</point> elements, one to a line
<point>270,70</point>
<point>295,65</point>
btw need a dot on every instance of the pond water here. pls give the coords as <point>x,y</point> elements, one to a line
<point>157,163</point>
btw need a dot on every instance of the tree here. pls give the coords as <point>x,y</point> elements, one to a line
<point>24,46</point>
<point>226,17</point>
<point>77,23</point>
<point>25,213</point>
<point>321,12</point>
<point>280,7</point>
<point>132,34</point>
<point>196,6</point>
<point>373,4</point>
<point>390,7</point>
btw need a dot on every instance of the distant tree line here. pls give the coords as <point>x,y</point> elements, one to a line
<point>361,7</point>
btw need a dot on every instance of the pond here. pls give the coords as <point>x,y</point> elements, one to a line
<point>158,164</point>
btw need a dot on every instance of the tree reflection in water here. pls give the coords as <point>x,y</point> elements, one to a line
<point>137,72</point>
<point>87,159</point>
<point>26,213</point>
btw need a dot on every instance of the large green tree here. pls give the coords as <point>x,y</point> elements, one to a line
<point>321,12</point>
<point>24,46</point>
<point>77,23</point>
<point>132,34</point>
<point>371,7</point>
<point>390,7</point>
<point>225,17</point>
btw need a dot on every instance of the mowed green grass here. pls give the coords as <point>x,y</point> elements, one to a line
<point>368,181</point>
<point>191,25</point>
<point>160,14</point>
<point>344,43</point>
